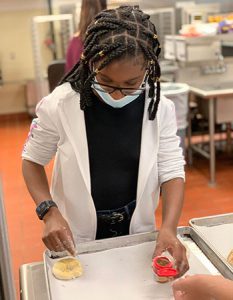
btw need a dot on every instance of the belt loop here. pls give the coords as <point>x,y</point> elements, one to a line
<point>127,211</point>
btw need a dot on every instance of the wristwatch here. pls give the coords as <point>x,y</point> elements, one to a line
<point>44,207</point>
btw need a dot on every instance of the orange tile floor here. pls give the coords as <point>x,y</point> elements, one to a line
<point>25,229</point>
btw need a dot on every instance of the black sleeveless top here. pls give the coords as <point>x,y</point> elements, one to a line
<point>114,142</point>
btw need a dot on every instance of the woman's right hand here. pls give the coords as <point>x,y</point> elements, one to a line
<point>57,235</point>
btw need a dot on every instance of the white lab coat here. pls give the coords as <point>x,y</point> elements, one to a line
<point>60,130</point>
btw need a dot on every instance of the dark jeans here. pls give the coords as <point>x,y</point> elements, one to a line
<point>115,222</point>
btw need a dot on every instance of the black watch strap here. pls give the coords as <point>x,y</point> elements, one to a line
<point>44,207</point>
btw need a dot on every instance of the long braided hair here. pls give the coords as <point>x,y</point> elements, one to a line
<point>113,34</point>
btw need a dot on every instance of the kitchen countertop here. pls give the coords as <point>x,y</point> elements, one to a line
<point>32,276</point>
<point>212,89</point>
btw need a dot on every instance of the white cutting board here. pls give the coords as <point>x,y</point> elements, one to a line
<point>117,274</point>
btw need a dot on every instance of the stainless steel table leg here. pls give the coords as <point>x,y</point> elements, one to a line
<point>228,145</point>
<point>190,151</point>
<point>212,144</point>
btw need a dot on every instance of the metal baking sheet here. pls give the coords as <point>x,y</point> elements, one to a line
<point>121,267</point>
<point>217,231</point>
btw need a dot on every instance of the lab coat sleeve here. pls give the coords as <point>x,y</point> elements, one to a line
<point>41,144</point>
<point>170,155</point>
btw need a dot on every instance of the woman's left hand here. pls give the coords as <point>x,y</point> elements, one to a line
<point>167,241</point>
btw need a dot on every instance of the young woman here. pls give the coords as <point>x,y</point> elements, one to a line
<point>89,9</point>
<point>114,141</point>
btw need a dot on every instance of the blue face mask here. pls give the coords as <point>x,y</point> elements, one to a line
<point>107,98</point>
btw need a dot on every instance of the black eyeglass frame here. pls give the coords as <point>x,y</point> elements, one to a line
<point>134,90</point>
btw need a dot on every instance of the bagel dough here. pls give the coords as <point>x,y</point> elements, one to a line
<point>67,268</point>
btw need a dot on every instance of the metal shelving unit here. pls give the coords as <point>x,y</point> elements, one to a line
<point>7,286</point>
<point>65,33</point>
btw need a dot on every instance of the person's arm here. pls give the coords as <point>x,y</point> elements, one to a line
<point>172,201</point>
<point>36,181</point>
<point>39,149</point>
<point>171,176</point>
<point>203,287</point>
<point>222,288</point>
<point>57,235</point>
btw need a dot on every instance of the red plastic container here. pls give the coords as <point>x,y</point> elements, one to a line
<point>163,269</point>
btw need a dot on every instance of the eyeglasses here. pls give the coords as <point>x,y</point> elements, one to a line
<point>109,89</point>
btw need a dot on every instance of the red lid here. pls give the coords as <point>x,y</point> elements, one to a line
<point>167,272</point>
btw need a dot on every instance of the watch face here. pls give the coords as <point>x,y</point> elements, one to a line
<point>44,207</point>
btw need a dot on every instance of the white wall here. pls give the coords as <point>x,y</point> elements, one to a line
<point>16,57</point>
<point>6,5</point>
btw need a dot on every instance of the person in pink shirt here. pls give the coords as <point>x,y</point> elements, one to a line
<point>89,9</point>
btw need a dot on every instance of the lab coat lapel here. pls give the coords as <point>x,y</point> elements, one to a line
<point>149,143</point>
<point>74,124</point>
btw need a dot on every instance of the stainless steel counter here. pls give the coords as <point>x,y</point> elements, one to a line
<point>32,282</point>
<point>216,92</point>
<point>215,89</point>
<point>32,276</point>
